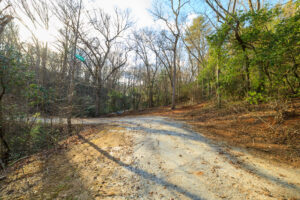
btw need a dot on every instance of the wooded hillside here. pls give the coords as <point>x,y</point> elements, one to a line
<point>101,63</point>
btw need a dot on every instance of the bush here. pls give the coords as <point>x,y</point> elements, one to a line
<point>256,98</point>
<point>27,138</point>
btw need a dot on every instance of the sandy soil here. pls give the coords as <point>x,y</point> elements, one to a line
<point>148,158</point>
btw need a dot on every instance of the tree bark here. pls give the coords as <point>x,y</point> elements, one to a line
<point>38,62</point>
<point>151,96</point>
<point>5,155</point>
<point>98,100</point>
<point>247,65</point>
<point>218,82</point>
<point>44,63</point>
<point>149,85</point>
<point>202,87</point>
<point>72,73</point>
<point>208,88</point>
<point>258,4</point>
<point>174,72</point>
<point>247,62</point>
<point>251,5</point>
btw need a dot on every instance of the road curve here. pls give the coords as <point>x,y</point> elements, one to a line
<point>174,162</point>
<point>171,161</point>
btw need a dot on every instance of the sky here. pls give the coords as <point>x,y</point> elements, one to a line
<point>138,9</point>
<point>139,13</point>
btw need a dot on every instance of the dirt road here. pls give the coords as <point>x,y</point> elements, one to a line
<point>158,158</point>
<point>176,162</point>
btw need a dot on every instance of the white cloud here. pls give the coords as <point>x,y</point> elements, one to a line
<point>190,18</point>
<point>138,8</point>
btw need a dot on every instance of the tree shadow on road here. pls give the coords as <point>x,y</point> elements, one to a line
<point>142,173</point>
<point>188,134</point>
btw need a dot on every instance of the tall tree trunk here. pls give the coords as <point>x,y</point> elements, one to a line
<point>208,89</point>
<point>250,5</point>
<point>289,84</point>
<point>149,87</point>
<point>247,66</point>
<point>61,87</point>
<point>151,96</point>
<point>72,73</point>
<point>98,83</point>
<point>258,4</point>
<point>70,101</point>
<point>44,62</point>
<point>174,88</point>
<point>218,82</point>
<point>166,95</point>
<point>261,78</point>
<point>98,100</point>
<point>38,62</point>
<point>174,73</point>
<point>6,149</point>
<point>246,58</point>
<point>202,87</point>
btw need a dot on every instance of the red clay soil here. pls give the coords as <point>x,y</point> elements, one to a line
<point>267,130</point>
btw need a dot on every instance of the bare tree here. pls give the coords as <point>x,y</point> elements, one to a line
<point>163,52</point>
<point>69,12</point>
<point>142,49</point>
<point>75,21</point>
<point>4,17</point>
<point>38,12</point>
<point>103,49</point>
<point>173,22</point>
